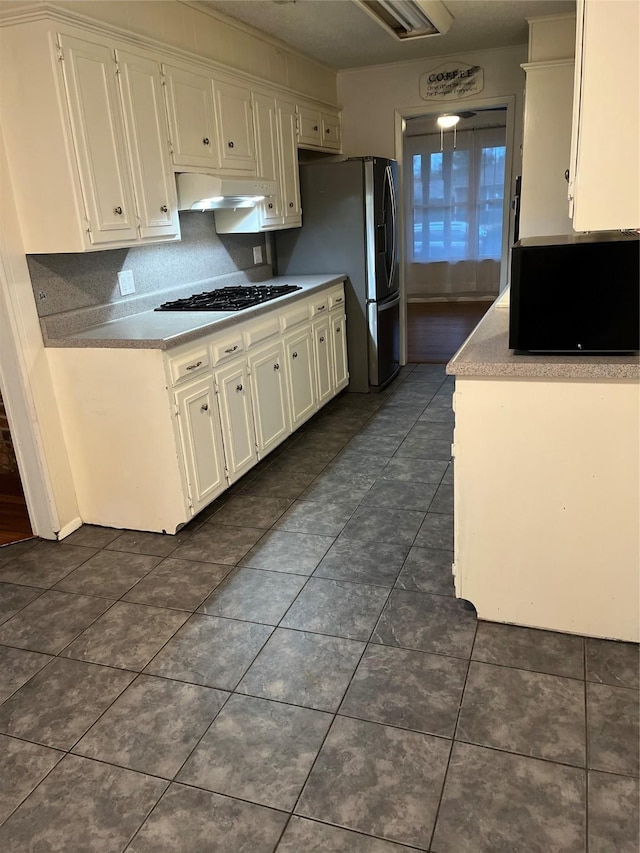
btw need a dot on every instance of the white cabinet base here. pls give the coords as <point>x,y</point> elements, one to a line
<point>547,504</point>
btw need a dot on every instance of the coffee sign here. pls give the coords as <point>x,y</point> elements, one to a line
<point>451,81</point>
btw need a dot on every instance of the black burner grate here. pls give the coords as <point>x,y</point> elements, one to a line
<point>229,298</point>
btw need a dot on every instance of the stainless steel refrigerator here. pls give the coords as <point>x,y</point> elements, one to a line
<point>349,225</point>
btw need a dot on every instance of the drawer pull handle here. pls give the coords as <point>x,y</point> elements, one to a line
<point>205,141</point>
<point>321,308</point>
<point>238,387</point>
<point>232,349</point>
<point>193,366</point>
<point>338,299</point>
<point>117,211</point>
<point>276,366</point>
<point>294,355</point>
<point>204,407</point>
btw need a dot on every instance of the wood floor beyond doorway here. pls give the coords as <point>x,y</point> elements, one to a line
<point>436,330</point>
<point>14,519</point>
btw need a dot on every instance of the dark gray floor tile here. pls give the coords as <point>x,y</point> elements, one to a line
<point>108,574</point>
<point>210,651</point>
<point>44,564</point>
<point>614,814</point>
<point>372,524</point>
<point>613,729</point>
<point>431,623</point>
<point>613,663</point>
<point>437,415</point>
<point>313,837</point>
<point>181,584</point>
<point>415,470</point>
<point>10,552</point>
<point>400,495</point>
<point>153,726</point>
<point>17,667</point>
<point>324,519</point>
<point>495,802</point>
<point>218,543</point>
<point>282,551</point>
<point>296,462</point>
<point>432,431</point>
<point>527,712</point>
<point>436,531</point>
<point>339,489</point>
<point>59,704</point>
<point>93,536</point>
<point>379,780</point>
<point>443,500</point>
<point>276,484</point>
<point>362,562</point>
<point>128,635</point>
<point>50,622</point>
<point>251,511</point>
<point>381,446</point>
<point>529,648</point>
<point>193,821</point>
<point>349,463</point>
<point>22,766</point>
<point>427,570</point>
<point>259,751</point>
<point>327,442</point>
<point>339,608</point>
<point>82,807</point>
<point>425,448</point>
<point>411,690</point>
<point>448,475</point>
<point>303,669</point>
<point>154,544</point>
<point>13,598</point>
<point>254,595</point>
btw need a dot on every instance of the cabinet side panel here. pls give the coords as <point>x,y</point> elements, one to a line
<point>120,433</point>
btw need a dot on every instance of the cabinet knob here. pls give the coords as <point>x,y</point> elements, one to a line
<point>270,205</point>
<point>337,328</point>
<point>290,204</point>
<point>276,366</point>
<point>164,208</point>
<point>230,144</point>
<point>238,387</point>
<point>204,407</point>
<point>294,355</point>
<point>118,211</point>
<point>566,175</point>
<point>328,130</point>
<point>315,126</point>
<point>322,339</point>
<point>205,141</point>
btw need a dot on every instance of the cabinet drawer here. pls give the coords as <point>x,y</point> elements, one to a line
<point>320,305</point>
<point>336,299</point>
<point>227,347</point>
<point>259,332</point>
<point>293,316</point>
<point>191,364</point>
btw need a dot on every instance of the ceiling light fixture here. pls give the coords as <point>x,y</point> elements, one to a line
<point>445,122</point>
<point>409,19</point>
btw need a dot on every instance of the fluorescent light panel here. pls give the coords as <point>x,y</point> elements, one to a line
<point>409,19</point>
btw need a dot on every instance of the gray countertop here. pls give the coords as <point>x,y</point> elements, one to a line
<point>486,354</point>
<point>166,329</point>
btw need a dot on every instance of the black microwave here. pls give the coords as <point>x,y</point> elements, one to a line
<point>576,294</point>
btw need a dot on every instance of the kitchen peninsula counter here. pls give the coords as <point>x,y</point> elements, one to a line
<point>547,486</point>
<point>167,329</point>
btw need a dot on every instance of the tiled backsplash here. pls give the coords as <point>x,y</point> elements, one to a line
<point>68,282</point>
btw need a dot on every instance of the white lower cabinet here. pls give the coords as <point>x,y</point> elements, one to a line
<point>339,350</point>
<point>201,440</point>
<point>322,353</point>
<point>301,380</point>
<point>269,396</point>
<point>236,414</point>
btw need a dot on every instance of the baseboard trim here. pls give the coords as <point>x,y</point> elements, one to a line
<point>69,528</point>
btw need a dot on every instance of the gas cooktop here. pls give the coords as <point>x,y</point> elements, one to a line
<point>229,298</point>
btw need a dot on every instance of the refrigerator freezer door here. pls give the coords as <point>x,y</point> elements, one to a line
<point>380,186</point>
<point>384,341</point>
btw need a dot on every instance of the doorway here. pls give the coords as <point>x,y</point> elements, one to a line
<point>14,517</point>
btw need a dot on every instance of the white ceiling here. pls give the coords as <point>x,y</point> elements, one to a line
<point>341,35</point>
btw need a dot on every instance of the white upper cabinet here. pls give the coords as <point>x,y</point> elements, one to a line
<point>318,129</point>
<point>146,126</point>
<point>96,174</point>
<point>289,174</point>
<point>192,119</point>
<point>267,157</point>
<point>235,128</point>
<point>605,157</point>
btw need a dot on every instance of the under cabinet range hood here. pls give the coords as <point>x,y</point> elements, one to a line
<point>211,192</point>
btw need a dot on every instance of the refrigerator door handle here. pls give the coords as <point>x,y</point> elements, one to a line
<point>384,306</point>
<point>394,223</point>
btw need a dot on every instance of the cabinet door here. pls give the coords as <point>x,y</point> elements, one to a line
<point>300,376</point>
<point>153,179</point>
<point>269,396</point>
<point>339,351</point>
<point>235,126</point>
<point>201,437</point>
<point>289,175</point>
<point>99,139</point>
<point>322,353</point>
<point>192,119</point>
<point>237,419</point>
<point>331,131</point>
<point>267,155</point>
<point>309,127</point>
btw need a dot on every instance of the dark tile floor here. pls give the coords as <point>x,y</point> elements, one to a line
<point>292,672</point>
